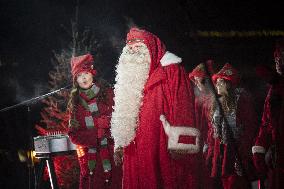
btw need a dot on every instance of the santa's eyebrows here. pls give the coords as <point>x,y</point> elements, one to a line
<point>132,41</point>
<point>135,43</point>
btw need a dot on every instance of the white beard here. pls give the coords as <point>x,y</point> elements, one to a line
<point>132,73</point>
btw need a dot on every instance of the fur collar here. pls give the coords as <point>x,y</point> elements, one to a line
<point>170,58</point>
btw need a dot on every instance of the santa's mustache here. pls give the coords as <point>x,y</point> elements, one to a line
<point>139,56</point>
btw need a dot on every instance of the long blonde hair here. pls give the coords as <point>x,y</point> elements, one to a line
<point>73,99</point>
<point>228,102</point>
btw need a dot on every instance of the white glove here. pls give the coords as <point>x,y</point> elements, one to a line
<point>174,132</point>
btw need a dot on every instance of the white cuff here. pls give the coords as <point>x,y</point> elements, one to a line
<point>258,149</point>
<point>174,132</point>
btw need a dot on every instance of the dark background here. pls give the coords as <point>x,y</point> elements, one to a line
<point>32,29</point>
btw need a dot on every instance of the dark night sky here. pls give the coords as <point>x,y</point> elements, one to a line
<point>31,29</point>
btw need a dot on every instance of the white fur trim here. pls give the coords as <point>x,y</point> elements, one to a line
<point>174,132</point>
<point>258,149</point>
<point>170,58</point>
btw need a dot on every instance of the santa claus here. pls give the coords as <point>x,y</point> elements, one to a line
<point>153,117</point>
<point>270,140</point>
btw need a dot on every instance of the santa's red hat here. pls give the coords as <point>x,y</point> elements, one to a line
<point>81,64</point>
<point>199,70</point>
<point>228,73</point>
<point>155,46</point>
<point>279,47</point>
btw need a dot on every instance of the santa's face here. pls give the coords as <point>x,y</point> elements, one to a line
<point>279,63</point>
<point>199,82</point>
<point>85,80</point>
<point>222,86</point>
<point>134,57</point>
<point>135,47</point>
<point>135,53</point>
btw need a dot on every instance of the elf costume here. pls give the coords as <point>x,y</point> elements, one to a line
<point>232,133</point>
<point>89,128</point>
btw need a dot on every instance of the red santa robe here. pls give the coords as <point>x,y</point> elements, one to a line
<point>202,111</point>
<point>147,162</point>
<point>271,135</point>
<point>90,138</point>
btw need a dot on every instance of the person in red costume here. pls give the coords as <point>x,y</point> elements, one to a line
<point>153,117</point>
<point>203,97</point>
<point>90,108</point>
<point>234,125</point>
<point>201,77</point>
<point>271,133</point>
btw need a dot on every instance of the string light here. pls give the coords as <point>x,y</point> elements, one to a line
<point>240,34</point>
<point>80,151</point>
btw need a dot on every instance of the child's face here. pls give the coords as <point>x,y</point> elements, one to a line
<point>85,80</point>
<point>222,86</point>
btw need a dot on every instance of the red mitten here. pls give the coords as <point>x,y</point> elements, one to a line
<point>259,163</point>
<point>83,137</point>
<point>103,122</point>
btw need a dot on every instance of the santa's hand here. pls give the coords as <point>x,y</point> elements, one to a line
<point>174,133</point>
<point>118,156</point>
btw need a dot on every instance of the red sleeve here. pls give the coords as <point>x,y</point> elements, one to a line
<point>103,121</point>
<point>106,103</point>
<point>205,120</point>
<point>210,141</point>
<point>109,100</point>
<point>198,112</point>
<point>83,137</point>
<point>264,135</point>
<point>247,119</point>
<point>180,96</point>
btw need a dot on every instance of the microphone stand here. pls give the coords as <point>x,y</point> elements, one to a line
<point>30,163</point>
<point>34,99</point>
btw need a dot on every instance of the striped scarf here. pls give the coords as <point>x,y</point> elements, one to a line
<point>88,101</point>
